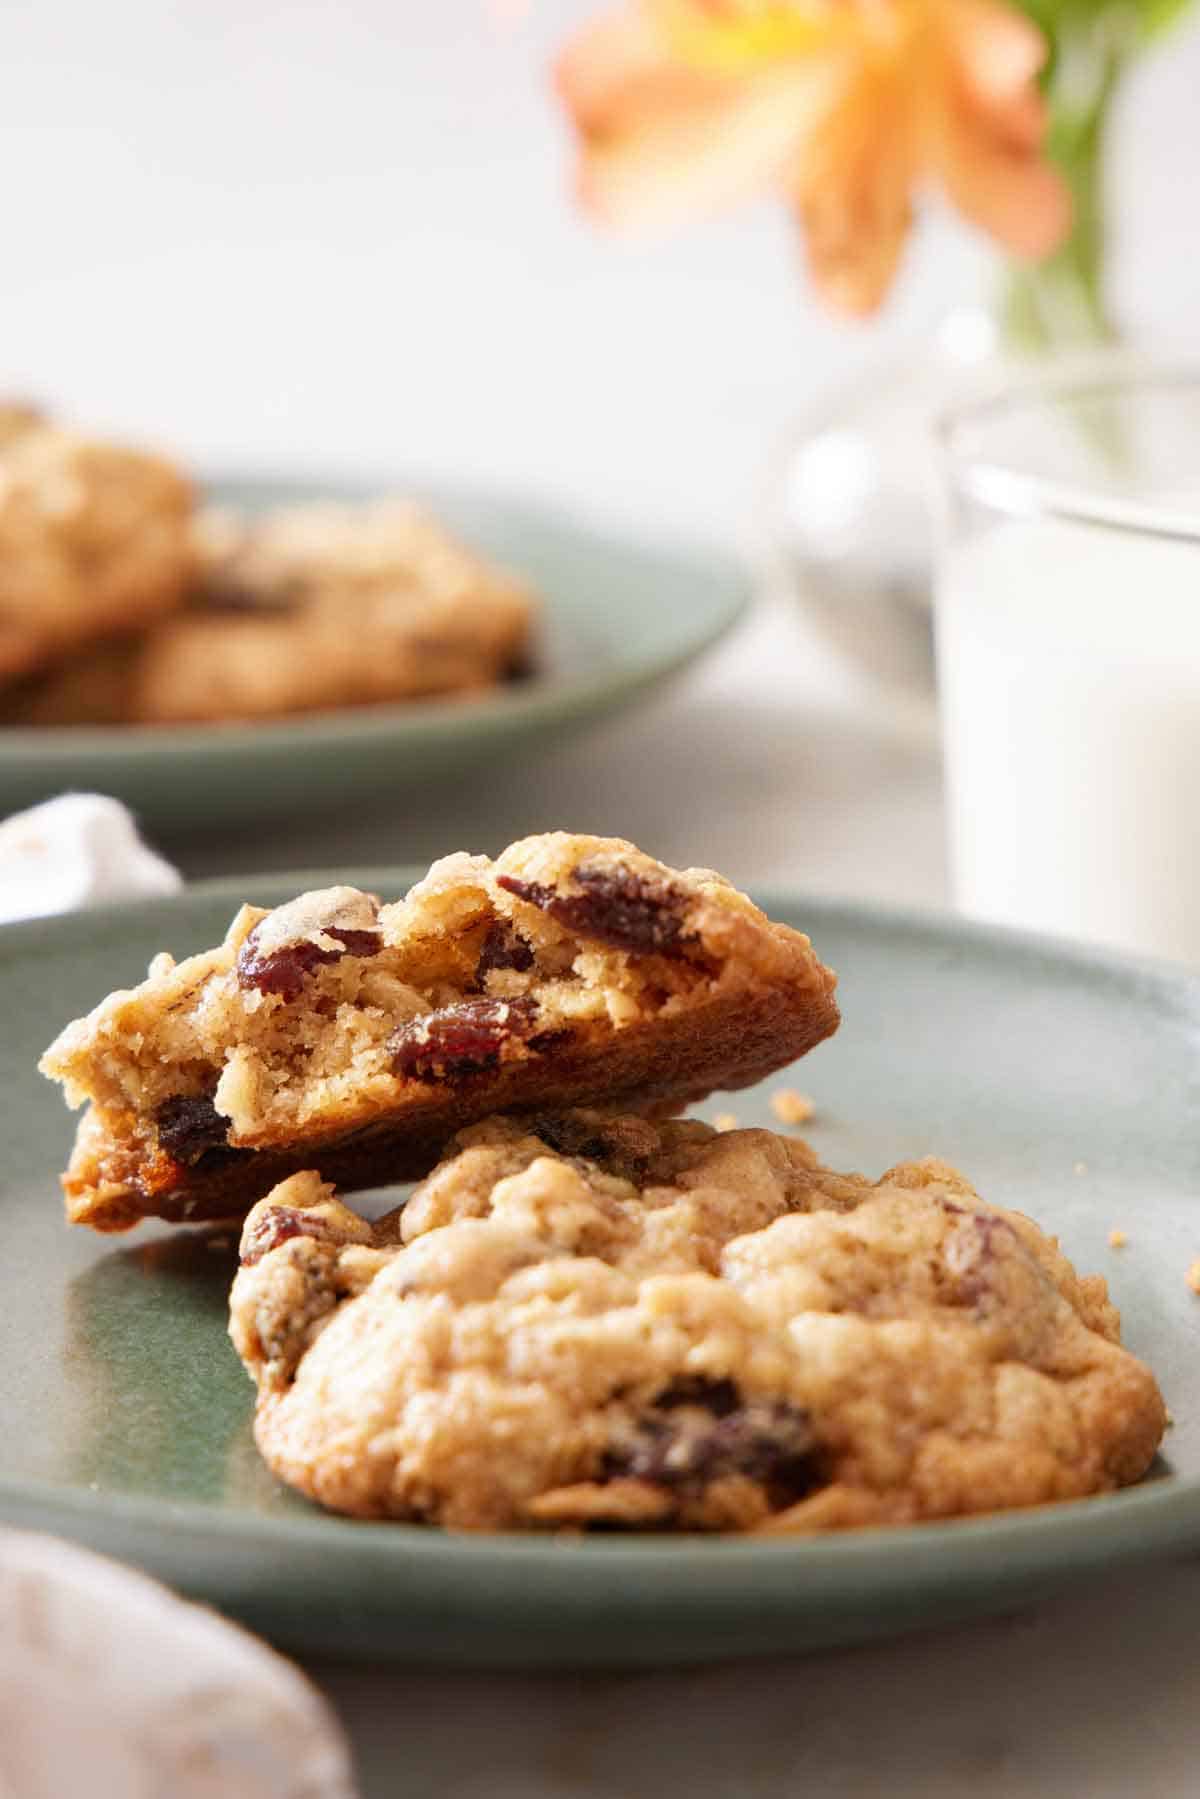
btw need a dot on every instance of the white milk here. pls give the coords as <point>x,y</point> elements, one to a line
<point>1069,660</point>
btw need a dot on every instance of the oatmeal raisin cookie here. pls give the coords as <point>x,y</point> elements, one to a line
<point>93,539</point>
<point>582,1320</point>
<point>306,609</point>
<point>341,1034</point>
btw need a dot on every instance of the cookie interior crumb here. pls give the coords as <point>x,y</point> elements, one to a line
<point>791,1107</point>
<point>571,967</point>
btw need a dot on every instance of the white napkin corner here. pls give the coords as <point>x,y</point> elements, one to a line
<point>81,849</point>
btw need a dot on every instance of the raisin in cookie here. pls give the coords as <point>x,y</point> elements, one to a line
<point>356,1038</point>
<point>307,609</point>
<point>93,539</point>
<point>588,1320</point>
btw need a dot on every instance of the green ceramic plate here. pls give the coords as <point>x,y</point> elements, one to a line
<point>619,617</point>
<point>1065,1083</point>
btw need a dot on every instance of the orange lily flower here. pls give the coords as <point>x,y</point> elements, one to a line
<point>847,107</point>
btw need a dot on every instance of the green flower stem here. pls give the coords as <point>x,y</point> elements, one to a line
<point>1060,302</point>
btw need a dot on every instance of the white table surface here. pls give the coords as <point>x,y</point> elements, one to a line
<point>1089,1697</point>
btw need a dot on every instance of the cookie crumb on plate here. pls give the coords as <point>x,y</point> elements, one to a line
<point>791,1107</point>
<point>1117,1239</point>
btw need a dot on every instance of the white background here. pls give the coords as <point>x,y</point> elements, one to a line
<point>342,233</point>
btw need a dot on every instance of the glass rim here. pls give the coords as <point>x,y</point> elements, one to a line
<point>997,483</point>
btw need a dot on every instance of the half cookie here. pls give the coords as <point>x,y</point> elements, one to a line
<point>596,1321</point>
<point>338,1034</point>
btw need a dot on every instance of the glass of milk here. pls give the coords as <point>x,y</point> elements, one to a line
<point>1068,623</point>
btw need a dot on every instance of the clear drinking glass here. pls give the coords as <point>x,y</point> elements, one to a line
<point>1068,635</point>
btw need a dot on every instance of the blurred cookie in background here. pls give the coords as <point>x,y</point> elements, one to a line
<point>307,608</point>
<point>94,539</point>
